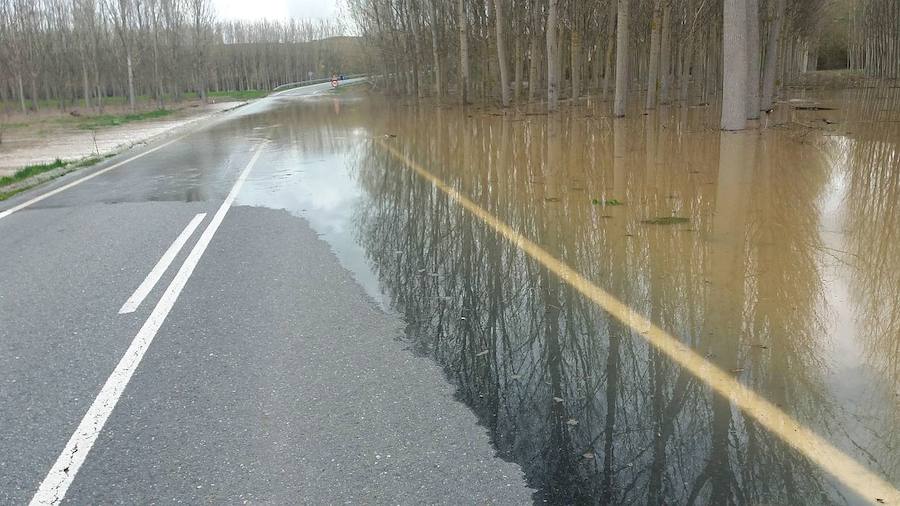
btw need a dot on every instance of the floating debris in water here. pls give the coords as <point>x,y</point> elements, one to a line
<point>666,220</point>
<point>609,202</point>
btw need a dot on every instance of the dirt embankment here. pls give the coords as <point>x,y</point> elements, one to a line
<point>43,139</point>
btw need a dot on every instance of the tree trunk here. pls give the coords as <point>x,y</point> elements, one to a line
<point>665,54</point>
<point>534,57</point>
<point>734,45</point>
<point>86,84</point>
<point>156,75</point>
<point>438,86</point>
<point>412,17</point>
<point>552,56</point>
<point>130,81</point>
<point>772,50</point>
<point>463,53</point>
<point>99,95</point>
<point>686,65</point>
<point>21,88</point>
<point>653,71</point>
<point>575,62</point>
<point>34,92</point>
<point>610,43</point>
<point>621,60</point>
<point>501,53</point>
<point>753,100</point>
<point>518,61</point>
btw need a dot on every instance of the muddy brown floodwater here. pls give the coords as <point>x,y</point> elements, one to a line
<point>773,255</point>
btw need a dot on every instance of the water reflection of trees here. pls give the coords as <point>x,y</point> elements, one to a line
<point>742,283</point>
<point>590,411</point>
<point>872,224</point>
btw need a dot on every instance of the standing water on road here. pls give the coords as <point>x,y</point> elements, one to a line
<point>774,254</point>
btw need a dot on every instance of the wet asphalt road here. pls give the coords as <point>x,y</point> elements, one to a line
<point>274,379</point>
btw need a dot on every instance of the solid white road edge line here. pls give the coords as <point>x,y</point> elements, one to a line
<point>53,489</point>
<point>77,182</point>
<point>161,267</point>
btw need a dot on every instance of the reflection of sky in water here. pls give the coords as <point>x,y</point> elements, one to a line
<point>321,190</point>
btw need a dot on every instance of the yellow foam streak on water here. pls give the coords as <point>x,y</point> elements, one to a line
<point>841,466</point>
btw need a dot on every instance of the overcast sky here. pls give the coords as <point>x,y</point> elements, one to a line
<point>277,9</point>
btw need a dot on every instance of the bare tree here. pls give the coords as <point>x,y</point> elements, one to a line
<point>653,80</point>
<point>86,51</point>
<point>463,52</point>
<point>753,59</point>
<point>499,22</point>
<point>438,87</point>
<point>201,20</point>
<point>622,56</point>
<point>776,22</point>
<point>552,56</point>
<point>122,14</point>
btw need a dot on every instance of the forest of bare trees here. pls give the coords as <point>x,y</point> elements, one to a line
<point>875,38</point>
<point>689,51</point>
<point>78,53</point>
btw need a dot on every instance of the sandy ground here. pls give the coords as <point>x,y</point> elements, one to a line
<point>46,141</point>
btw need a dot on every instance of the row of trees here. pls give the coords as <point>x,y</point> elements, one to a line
<point>875,38</point>
<point>68,51</point>
<point>516,49</point>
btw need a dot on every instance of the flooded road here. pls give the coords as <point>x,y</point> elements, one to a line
<point>370,301</point>
<point>772,255</point>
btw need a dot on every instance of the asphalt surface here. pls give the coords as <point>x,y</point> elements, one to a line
<point>275,378</point>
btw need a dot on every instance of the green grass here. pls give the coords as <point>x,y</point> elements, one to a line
<point>238,95</point>
<point>47,105</point>
<point>34,170</point>
<point>110,120</point>
<point>31,170</point>
<point>6,195</point>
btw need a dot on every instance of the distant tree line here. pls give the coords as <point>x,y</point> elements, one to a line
<point>85,51</point>
<point>875,38</point>
<point>673,50</point>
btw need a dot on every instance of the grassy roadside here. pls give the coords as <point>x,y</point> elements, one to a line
<point>48,126</point>
<point>6,195</point>
<point>111,120</point>
<point>19,182</point>
<point>141,100</point>
<point>237,96</point>
<point>29,171</point>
